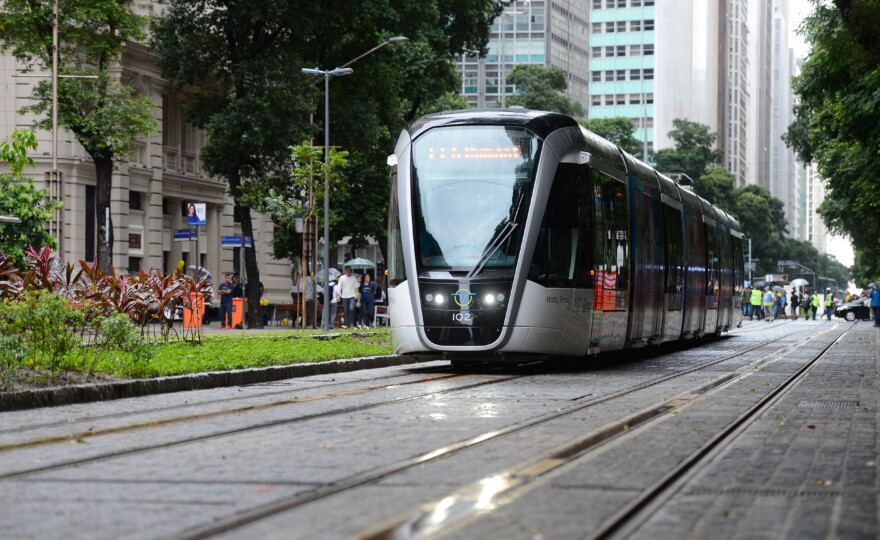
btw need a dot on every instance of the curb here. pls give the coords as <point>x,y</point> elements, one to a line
<point>86,393</point>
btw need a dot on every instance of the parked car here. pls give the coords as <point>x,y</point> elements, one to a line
<point>857,309</point>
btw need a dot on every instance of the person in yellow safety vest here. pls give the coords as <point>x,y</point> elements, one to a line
<point>755,301</point>
<point>815,304</point>
<point>768,304</point>
<point>829,303</point>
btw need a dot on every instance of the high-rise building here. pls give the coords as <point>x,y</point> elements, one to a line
<point>734,132</point>
<point>760,81</point>
<point>623,64</point>
<point>541,32</point>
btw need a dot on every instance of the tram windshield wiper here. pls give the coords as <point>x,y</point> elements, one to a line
<point>492,248</point>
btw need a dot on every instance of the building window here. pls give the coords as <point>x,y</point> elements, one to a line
<point>609,4</point>
<point>596,76</point>
<point>134,265</point>
<point>621,50</point>
<point>649,98</point>
<point>620,75</point>
<point>621,26</point>
<point>634,99</point>
<point>609,100</point>
<point>620,99</point>
<point>597,28</point>
<point>649,74</point>
<point>649,49</point>
<point>649,24</point>
<point>635,50</point>
<point>609,75</point>
<point>134,200</point>
<point>596,101</point>
<point>649,3</point>
<point>609,27</point>
<point>166,206</point>
<point>597,52</point>
<point>635,74</point>
<point>636,3</point>
<point>597,4</point>
<point>609,51</point>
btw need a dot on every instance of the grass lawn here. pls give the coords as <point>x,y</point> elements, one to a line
<point>238,351</point>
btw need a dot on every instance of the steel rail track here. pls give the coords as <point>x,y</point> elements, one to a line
<point>294,501</point>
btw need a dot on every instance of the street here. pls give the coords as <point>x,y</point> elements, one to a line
<point>769,431</point>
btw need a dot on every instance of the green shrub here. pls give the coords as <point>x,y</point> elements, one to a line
<point>36,332</point>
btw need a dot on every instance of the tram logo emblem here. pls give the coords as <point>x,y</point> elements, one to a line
<point>463,297</point>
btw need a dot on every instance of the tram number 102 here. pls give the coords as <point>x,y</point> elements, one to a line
<point>462,316</point>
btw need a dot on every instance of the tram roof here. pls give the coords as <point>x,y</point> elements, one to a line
<point>539,122</point>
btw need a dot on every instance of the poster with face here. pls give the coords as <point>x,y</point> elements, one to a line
<point>195,213</point>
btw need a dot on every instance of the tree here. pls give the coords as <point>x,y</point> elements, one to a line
<point>716,185</point>
<point>242,60</point>
<point>618,130</point>
<point>693,150</point>
<point>837,122</point>
<point>20,199</point>
<point>103,114</point>
<point>542,88</point>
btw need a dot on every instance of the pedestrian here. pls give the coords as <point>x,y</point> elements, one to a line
<point>814,304</point>
<point>807,302</point>
<point>782,302</point>
<point>225,291</point>
<point>348,290</point>
<point>334,302</point>
<point>747,306</point>
<point>755,301</point>
<point>875,303</point>
<point>768,304</point>
<point>309,294</point>
<point>795,303</point>
<point>367,292</point>
<point>829,303</point>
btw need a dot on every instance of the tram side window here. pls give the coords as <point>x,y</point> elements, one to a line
<point>555,258</point>
<point>737,265</point>
<point>396,269</point>
<point>674,250</point>
<point>612,230</point>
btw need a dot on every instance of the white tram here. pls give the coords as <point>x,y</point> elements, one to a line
<point>514,231</point>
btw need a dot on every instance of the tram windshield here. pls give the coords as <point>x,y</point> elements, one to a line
<point>471,192</point>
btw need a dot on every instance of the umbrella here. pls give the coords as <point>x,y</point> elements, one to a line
<point>777,288</point>
<point>334,273</point>
<point>359,263</point>
<point>759,283</point>
<point>799,282</point>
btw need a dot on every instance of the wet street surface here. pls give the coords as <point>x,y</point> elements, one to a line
<point>767,432</point>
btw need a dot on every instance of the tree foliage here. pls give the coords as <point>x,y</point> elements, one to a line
<point>543,89</point>
<point>761,215</point>
<point>618,130</point>
<point>19,198</point>
<point>102,113</point>
<point>837,122</point>
<point>693,150</point>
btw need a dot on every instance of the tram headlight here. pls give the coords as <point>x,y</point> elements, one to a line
<point>429,298</point>
<point>489,299</point>
<point>439,299</point>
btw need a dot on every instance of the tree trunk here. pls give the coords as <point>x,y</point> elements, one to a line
<point>104,185</point>
<point>250,255</point>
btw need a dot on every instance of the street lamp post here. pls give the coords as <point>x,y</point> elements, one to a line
<point>338,72</point>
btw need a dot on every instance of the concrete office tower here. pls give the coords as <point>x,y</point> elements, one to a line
<point>541,32</point>
<point>760,88</point>
<point>782,179</point>
<point>734,132</point>
<point>816,234</point>
<point>677,59</point>
<point>623,64</point>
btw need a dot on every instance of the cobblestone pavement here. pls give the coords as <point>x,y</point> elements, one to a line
<point>343,455</point>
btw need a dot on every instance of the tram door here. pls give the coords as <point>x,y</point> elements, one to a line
<point>611,251</point>
<point>725,277</point>
<point>675,264</point>
<point>695,274</point>
<point>712,281</point>
<point>646,309</point>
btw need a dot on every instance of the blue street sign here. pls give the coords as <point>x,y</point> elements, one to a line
<point>184,234</point>
<point>234,241</point>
